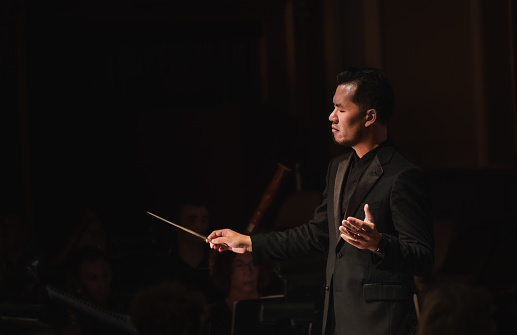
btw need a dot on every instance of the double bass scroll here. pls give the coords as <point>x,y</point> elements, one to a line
<point>267,198</point>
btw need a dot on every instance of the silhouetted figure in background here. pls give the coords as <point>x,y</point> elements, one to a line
<point>16,247</point>
<point>168,308</point>
<point>89,231</point>
<point>238,278</point>
<point>90,279</point>
<point>186,256</point>
<point>456,309</point>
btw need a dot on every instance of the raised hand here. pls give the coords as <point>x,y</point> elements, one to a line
<point>227,239</point>
<point>361,234</point>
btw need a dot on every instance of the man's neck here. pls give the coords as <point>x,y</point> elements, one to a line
<point>371,142</point>
<point>362,149</point>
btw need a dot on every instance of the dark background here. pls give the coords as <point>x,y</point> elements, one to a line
<point>128,106</point>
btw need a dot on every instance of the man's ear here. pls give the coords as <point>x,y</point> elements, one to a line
<point>371,117</point>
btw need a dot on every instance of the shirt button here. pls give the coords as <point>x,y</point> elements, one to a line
<point>339,255</point>
<point>327,288</point>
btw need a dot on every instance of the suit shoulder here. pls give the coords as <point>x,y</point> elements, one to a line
<point>404,161</point>
<point>399,166</point>
<point>390,156</point>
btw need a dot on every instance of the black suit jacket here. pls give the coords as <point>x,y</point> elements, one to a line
<point>371,295</point>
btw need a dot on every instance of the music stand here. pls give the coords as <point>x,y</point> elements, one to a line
<point>265,315</point>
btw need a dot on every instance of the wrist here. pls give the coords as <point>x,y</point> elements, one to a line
<point>381,245</point>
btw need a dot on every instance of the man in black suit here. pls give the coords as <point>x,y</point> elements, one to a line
<point>374,219</point>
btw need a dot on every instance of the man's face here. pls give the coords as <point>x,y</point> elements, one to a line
<point>244,277</point>
<point>95,280</point>
<point>194,218</point>
<point>348,122</point>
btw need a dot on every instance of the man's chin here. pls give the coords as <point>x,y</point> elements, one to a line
<point>343,143</point>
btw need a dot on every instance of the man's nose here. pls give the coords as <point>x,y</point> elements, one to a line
<point>333,116</point>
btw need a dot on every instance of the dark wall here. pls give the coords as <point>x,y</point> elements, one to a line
<point>135,106</point>
<point>131,106</point>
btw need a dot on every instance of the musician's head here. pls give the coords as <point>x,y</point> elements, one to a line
<point>194,216</point>
<point>91,275</point>
<point>93,232</point>
<point>190,212</point>
<point>235,274</point>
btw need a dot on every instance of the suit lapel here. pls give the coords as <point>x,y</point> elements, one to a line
<point>338,187</point>
<point>365,184</point>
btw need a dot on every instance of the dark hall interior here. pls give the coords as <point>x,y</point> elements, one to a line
<point>121,107</point>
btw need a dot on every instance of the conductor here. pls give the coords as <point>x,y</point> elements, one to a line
<point>374,219</point>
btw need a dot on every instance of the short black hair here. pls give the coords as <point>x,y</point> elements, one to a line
<point>373,91</point>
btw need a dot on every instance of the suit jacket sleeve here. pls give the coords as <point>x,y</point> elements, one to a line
<point>304,240</point>
<point>411,249</point>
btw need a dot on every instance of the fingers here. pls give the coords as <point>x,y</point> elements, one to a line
<point>360,224</point>
<point>353,232</point>
<point>219,243</point>
<point>351,226</point>
<point>227,239</point>
<point>361,234</point>
<point>349,234</point>
<point>368,215</point>
<point>350,237</point>
<point>217,233</point>
<point>219,247</point>
<point>218,240</point>
<point>357,233</point>
<point>356,226</point>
